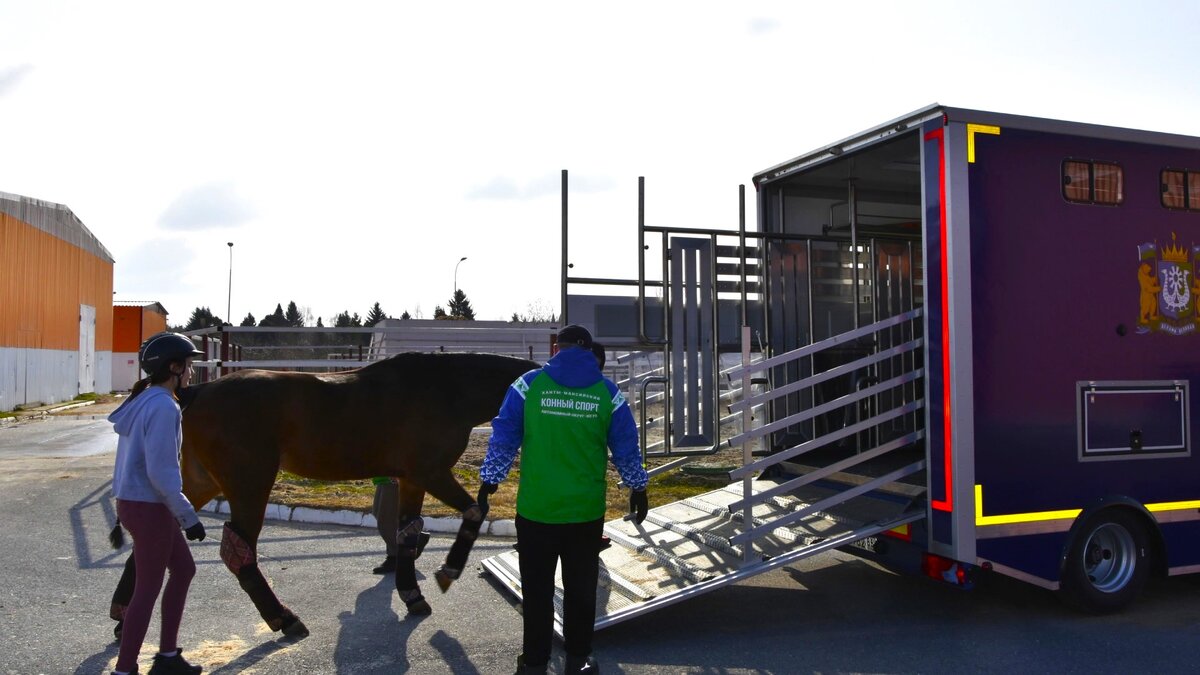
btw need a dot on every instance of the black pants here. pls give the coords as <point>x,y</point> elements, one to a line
<point>540,547</point>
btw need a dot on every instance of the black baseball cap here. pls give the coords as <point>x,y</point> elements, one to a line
<point>574,336</point>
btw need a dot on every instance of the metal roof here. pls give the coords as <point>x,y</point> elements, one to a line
<point>143,304</point>
<point>913,121</point>
<point>53,219</point>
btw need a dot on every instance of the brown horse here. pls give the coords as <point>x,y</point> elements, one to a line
<point>408,416</point>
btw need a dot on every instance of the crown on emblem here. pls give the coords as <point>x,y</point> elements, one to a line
<point>1174,253</point>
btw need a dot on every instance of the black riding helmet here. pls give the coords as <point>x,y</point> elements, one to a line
<point>162,348</point>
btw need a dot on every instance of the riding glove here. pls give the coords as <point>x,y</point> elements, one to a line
<point>482,498</point>
<point>195,532</point>
<point>639,506</point>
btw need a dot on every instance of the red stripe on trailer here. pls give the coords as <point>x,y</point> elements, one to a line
<point>946,504</point>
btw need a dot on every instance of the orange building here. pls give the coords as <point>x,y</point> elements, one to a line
<point>55,305</point>
<point>133,322</point>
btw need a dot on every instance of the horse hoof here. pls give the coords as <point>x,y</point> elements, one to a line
<point>295,629</point>
<point>443,580</point>
<point>420,608</point>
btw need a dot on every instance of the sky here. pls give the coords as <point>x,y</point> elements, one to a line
<point>353,152</point>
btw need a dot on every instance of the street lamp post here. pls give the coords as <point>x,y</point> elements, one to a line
<point>460,260</point>
<point>229,297</point>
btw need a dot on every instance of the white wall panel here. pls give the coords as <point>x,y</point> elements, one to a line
<point>46,376</point>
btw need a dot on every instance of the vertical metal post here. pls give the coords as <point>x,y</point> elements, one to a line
<point>224,349</point>
<point>563,309</point>
<point>748,555</point>
<point>852,207</point>
<point>207,357</point>
<point>741,248</point>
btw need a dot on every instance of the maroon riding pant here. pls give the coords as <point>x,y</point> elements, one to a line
<point>158,546</point>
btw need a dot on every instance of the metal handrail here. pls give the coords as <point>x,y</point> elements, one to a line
<point>824,375</point>
<point>839,339</point>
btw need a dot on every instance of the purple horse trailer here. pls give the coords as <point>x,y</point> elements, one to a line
<point>960,341</point>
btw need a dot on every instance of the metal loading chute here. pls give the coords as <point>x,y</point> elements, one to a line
<point>802,356</point>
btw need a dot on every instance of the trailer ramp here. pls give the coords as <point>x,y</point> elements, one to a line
<point>685,548</point>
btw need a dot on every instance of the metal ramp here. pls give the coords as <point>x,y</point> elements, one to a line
<point>686,548</point>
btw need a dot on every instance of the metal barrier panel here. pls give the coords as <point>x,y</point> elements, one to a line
<point>692,376</point>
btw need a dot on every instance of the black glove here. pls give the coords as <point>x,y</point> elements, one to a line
<point>195,532</point>
<point>639,506</point>
<point>482,498</point>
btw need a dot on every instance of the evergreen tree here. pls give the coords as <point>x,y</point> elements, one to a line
<point>274,319</point>
<point>202,317</point>
<point>375,316</point>
<point>293,316</point>
<point>439,313</point>
<point>249,321</point>
<point>355,320</point>
<point>405,316</point>
<point>319,324</point>
<point>342,320</point>
<point>460,307</point>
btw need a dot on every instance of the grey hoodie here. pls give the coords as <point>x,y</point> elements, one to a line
<point>147,468</point>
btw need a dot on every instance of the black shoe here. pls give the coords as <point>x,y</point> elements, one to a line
<point>584,665</point>
<point>523,669</point>
<point>173,665</point>
<point>388,566</point>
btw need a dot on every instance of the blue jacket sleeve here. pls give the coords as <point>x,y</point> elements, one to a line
<point>162,440</point>
<point>508,431</point>
<point>623,442</point>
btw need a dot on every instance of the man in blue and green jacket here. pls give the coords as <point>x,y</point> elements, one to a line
<point>564,417</point>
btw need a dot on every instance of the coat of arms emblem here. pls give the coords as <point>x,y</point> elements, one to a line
<point>1170,290</point>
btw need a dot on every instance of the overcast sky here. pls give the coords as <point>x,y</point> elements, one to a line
<point>354,151</point>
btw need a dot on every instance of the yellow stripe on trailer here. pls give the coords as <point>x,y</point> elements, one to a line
<point>973,129</point>
<point>1064,514</point>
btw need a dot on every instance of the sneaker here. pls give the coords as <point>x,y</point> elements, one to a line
<point>388,566</point>
<point>173,665</point>
<point>584,665</point>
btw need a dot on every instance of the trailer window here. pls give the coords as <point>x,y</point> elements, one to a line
<point>1088,182</point>
<point>1180,189</point>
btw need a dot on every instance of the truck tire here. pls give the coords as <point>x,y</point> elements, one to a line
<point>1107,563</point>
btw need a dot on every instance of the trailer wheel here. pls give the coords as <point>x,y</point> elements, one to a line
<point>1107,564</point>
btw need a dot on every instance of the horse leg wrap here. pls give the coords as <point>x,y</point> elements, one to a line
<point>236,552</point>
<point>252,581</point>
<point>456,559</point>
<point>408,539</point>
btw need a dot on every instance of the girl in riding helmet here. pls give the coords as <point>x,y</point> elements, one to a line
<point>148,487</point>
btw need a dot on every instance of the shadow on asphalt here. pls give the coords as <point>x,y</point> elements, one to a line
<point>98,662</point>
<point>372,628</point>
<point>101,498</point>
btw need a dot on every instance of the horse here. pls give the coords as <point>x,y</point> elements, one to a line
<point>407,416</point>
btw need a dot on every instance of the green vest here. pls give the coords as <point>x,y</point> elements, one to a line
<point>564,452</point>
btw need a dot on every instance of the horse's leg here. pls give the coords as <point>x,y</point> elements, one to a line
<point>410,541</point>
<point>444,487</point>
<point>239,540</point>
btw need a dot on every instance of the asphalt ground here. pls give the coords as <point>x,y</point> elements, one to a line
<point>833,613</point>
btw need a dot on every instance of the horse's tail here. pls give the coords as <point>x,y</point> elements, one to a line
<point>117,536</point>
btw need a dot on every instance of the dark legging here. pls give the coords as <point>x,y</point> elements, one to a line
<point>540,546</point>
<point>158,546</point>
